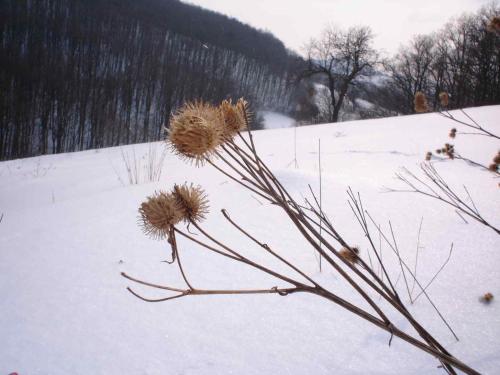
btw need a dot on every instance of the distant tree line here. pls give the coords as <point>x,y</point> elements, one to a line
<point>80,74</point>
<point>463,59</point>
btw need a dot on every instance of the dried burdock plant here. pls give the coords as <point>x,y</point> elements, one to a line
<point>233,116</point>
<point>469,122</point>
<point>433,185</point>
<point>453,133</point>
<point>444,99</point>
<point>196,130</point>
<point>158,213</point>
<point>351,254</point>
<point>449,150</point>
<point>191,201</point>
<point>493,167</point>
<point>494,25</point>
<point>237,158</point>
<point>487,298</point>
<point>420,102</point>
<point>428,156</point>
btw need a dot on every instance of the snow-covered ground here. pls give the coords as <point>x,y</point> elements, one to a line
<point>70,227</point>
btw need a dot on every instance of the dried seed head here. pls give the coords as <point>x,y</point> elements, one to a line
<point>487,298</point>
<point>420,102</point>
<point>242,105</point>
<point>493,167</point>
<point>233,117</point>
<point>195,131</point>
<point>444,99</point>
<point>350,254</point>
<point>449,150</point>
<point>158,213</point>
<point>494,25</point>
<point>192,202</point>
<point>428,156</point>
<point>438,151</point>
<point>453,133</point>
<point>496,159</point>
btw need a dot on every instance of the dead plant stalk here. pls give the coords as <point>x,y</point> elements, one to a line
<point>240,162</point>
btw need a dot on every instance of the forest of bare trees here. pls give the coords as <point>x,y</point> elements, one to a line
<point>80,74</point>
<point>462,59</point>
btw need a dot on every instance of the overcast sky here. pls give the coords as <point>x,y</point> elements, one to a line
<point>296,21</point>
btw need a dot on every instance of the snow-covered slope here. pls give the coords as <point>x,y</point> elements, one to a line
<point>275,120</point>
<point>70,228</point>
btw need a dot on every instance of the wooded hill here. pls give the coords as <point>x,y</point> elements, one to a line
<point>80,74</point>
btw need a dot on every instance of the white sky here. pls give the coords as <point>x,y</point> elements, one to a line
<point>296,21</point>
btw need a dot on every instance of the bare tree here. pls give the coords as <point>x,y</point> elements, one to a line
<point>340,57</point>
<point>411,68</point>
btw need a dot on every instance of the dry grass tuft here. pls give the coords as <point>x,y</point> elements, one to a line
<point>192,201</point>
<point>158,213</point>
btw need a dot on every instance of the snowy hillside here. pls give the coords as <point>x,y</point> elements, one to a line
<point>69,228</point>
<point>275,120</point>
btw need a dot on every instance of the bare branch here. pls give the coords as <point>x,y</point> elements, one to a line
<point>436,274</point>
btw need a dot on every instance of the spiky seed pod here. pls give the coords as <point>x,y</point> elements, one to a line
<point>487,298</point>
<point>350,254</point>
<point>158,213</point>
<point>438,151</point>
<point>196,131</point>
<point>233,119</point>
<point>493,167</point>
<point>420,102</point>
<point>496,159</point>
<point>242,105</point>
<point>449,150</point>
<point>494,25</point>
<point>192,202</point>
<point>453,133</point>
<point>428,156</point>
<point>444,99</point>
